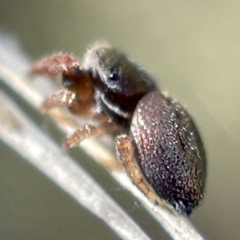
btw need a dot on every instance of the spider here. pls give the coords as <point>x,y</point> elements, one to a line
<point>159,146</point>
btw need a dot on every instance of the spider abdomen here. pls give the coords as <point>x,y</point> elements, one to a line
<point>169,150</point>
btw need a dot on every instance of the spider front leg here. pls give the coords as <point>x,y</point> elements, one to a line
<point>62,97</point>
<point>125,154</point>
<point>78,93</point>
<point>66,98</point>
<point>54,65</point>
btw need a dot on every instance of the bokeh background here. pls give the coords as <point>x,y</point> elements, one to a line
<point>191,47</point>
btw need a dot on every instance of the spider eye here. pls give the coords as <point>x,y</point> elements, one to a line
<point>113,76</point>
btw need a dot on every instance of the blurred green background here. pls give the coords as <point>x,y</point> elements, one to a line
<point>191,47</point>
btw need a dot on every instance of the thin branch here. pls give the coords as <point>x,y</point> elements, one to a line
<point>13,69</point>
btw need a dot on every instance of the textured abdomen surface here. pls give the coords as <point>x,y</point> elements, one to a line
<point>169,150</point>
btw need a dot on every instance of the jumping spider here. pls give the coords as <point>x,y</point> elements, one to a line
<point>160,150</point>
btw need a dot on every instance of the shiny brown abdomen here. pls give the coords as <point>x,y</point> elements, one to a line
<point>169,150</point>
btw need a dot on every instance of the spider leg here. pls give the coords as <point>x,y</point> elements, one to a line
<point>62,97</point>
<point>54,64</point>
<point>66,98</point>
<point>125,153</point>
<point>88,131</point>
